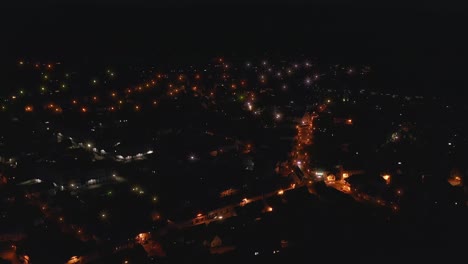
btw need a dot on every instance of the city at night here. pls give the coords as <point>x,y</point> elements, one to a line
<point>139,132</point>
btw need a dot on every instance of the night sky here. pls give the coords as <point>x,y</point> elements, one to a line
<point>417,49</point>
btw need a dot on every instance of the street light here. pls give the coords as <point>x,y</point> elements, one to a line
<point>387,178</point>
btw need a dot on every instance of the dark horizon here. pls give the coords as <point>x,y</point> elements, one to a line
<point>421,49</point>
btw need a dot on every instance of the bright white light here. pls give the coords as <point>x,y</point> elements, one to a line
<point>149,152</point>
<point>92,181</point>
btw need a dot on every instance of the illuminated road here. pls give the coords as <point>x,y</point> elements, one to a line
<point>341,186</point>
<point>299,157</point>
<point>228,211</point>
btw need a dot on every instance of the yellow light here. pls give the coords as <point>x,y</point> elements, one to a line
<point>345,175</point>
<point>280,192</point>
<point>270,209</point>
<point>387,178</point>
<point>346,188</point>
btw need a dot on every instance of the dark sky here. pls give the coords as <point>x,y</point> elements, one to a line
<point>417,47</point>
